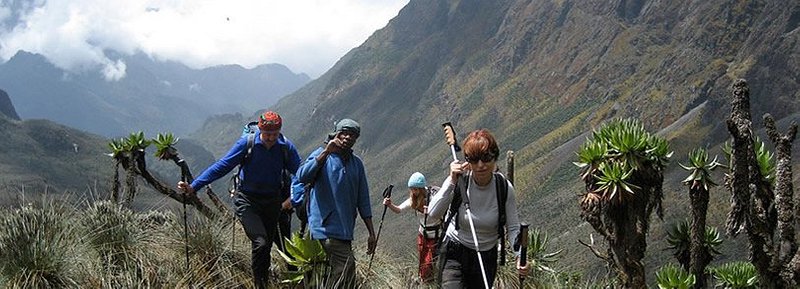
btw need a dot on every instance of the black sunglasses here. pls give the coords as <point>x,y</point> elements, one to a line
<point>485,158</point>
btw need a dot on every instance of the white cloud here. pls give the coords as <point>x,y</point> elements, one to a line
<point>114,71</point>
<point>306,35</point>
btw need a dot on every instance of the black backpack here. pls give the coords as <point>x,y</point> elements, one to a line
<point>435,228</point>
<point>249,131</point>
<point>502,196</point>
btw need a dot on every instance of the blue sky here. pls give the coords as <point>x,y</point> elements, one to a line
<point>307,36</point>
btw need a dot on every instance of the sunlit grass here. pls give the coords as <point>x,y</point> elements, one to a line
<point>102,245</point>
<point>37,247</point>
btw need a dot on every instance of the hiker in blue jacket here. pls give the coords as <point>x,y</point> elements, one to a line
<point>259,201</point>
<point>339,190</point>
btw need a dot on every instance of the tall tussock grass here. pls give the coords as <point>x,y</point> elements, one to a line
<point>37,247</point>
<point>213,261</point>
<point>52,244</point>
<point>103,245</point>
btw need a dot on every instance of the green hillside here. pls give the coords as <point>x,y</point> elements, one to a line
<point>39,155</point>
<point>540,75</point>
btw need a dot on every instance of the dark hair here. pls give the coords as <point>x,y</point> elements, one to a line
<point>480,142</point>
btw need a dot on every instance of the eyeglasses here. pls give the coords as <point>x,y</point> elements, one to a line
<point>485,158</point>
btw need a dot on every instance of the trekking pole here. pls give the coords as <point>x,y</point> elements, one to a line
<point>185,227</point>
<point>523,251</point>
<point>475,240</point>
<point>387,193</point>
<point>510,166</point>
<point>425,211</point>
<point>281,234</point>
<point>450,137</point>
<point>233,225</point>
<point>186,176</point>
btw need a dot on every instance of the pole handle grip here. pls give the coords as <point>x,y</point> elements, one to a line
<point>450,138</point>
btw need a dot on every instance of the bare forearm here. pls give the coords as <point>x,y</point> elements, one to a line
<point>394,208</point>
<point>368,224</point>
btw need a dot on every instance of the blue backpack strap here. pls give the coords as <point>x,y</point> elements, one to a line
<point>251,142</point>
<point>250,131</point>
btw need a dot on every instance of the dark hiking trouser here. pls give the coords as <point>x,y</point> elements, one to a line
<point>259,217</point>
<point>342,263</point>
<point>462,269</point>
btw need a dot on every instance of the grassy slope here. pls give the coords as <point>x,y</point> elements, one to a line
<point>540,75</point>
<point>39,153</point>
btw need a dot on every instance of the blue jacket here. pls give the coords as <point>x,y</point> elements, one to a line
<point>298,191</point>
<point>339,190</point>
<point>261,174</point>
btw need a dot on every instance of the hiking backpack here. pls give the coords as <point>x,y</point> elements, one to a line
<point>501,187</point>
<point>430,191</point>
<point>249,131</point>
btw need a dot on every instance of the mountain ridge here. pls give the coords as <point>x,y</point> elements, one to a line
<point>6,107</point>
<point>541,75</point>
<point>154,96</point>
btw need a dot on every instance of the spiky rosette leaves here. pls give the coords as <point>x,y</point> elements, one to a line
<point>117,148</point>
<point>700,170</point>
<point>309,258</point>
<point>612,181</point>
<point>678,238</point>
<point>738,275</point>
<point>538,256</point>
<point>766,161</point>
<point>671,276</point>
<point>616,153</point>
<point>136,141</point>
<point>165,146</point>
<point>764,157</point>
<point>590,155</point>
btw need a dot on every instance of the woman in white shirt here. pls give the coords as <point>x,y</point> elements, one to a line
<point>478,187</point>
<point>429,228</point>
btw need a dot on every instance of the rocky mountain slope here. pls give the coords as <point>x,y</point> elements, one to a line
<point>6,108</point>
<point>541,75</point>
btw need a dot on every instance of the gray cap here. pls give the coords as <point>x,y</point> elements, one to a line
<point>348,125</point>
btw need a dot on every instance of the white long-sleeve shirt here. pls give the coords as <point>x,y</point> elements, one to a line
<point>422,219</point>
<point>483,206</point>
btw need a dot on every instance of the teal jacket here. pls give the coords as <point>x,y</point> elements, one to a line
<point>340,189</point>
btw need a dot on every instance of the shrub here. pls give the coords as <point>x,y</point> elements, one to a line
<point>36,248</point>
<point>736,275</point>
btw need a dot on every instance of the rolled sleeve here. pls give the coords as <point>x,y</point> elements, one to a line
<point>298,192</point>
